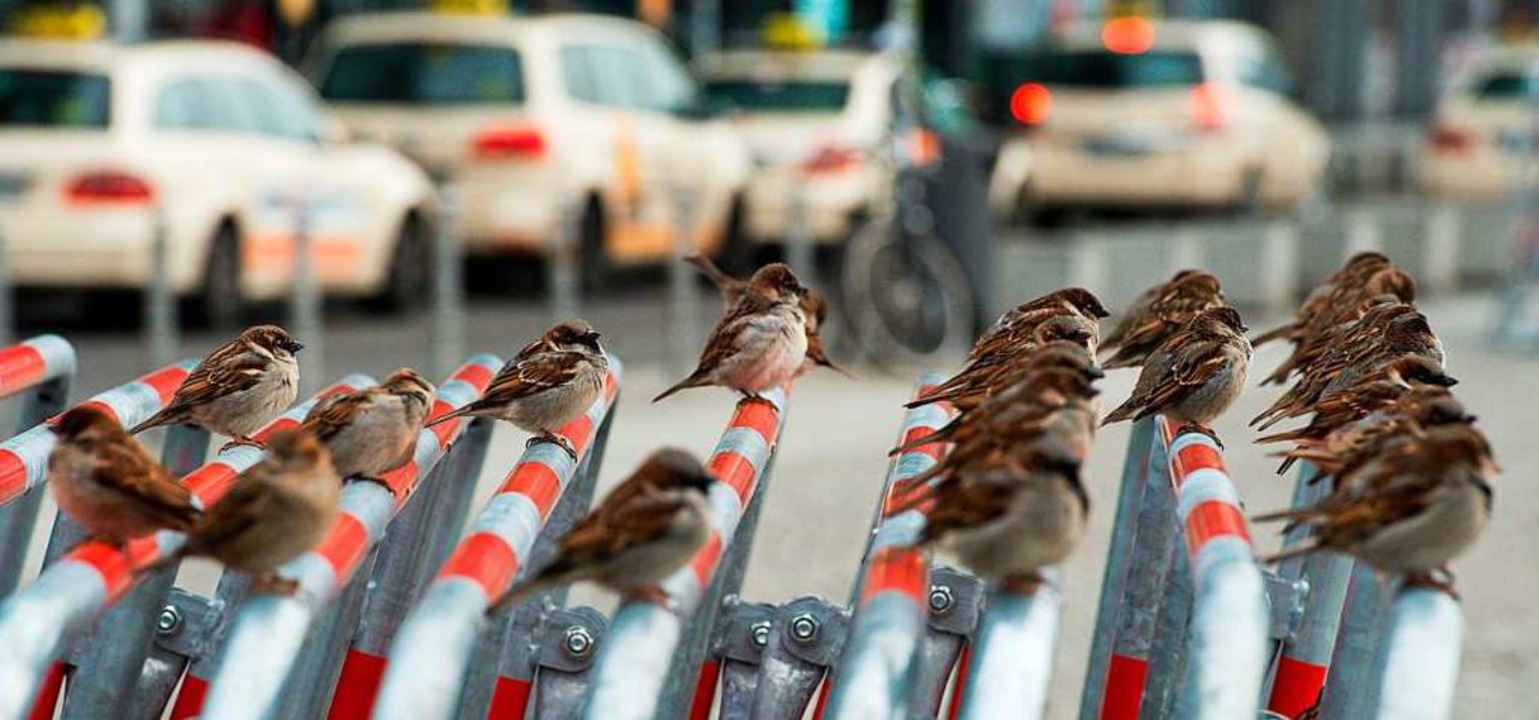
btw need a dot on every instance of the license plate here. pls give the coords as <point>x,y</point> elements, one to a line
<point>1116,146</point>
<point>12,185</point>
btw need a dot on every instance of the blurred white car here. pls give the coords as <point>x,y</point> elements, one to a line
<point>534,117</point>
<point>224,142</point>
<point>815,122</point>
<point>1482,129</point>
<point>1136,113</point>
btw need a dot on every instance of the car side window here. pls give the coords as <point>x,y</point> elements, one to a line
<point>604,75</point>
<point>178,106</point>
<point>577,74</point>
<point>668,85</point>
<point>1264,71</point>
<point>231,105</point>
<point>297,114</point>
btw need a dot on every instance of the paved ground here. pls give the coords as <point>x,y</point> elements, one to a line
<point>833,455</point>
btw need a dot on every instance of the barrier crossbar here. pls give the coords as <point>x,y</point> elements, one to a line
<point>1012,657</point>
<point>891,592</point>
<point>270,629</point>
<point>430,655</point>
<point>94,574</point>
<point>1421,664</point>
<point>43,367</point>
<point>635,659</point>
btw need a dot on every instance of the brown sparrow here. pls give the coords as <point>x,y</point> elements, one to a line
<point>240,387</point>
<point>1411,510</point>
<point>814,309</point>
<point>973,388</point>
<point>1152,319</point>
<point>651,525</point>
<point>1020,321</point>
<point>106,482</point>
<point>1195,375</point>
<point>1383,387</point>
<point>373,430</point>
<point>992,369</point>
<point>275,511</point>
<point>1355,272</point>
<point>550,383</point>
<point>1353,444</point>
<point>761,343</point>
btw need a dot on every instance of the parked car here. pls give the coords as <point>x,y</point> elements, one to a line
<point>1482,130</point>
<point>531,118</point>
<point>1136,113</point>
<point>815,122</point>
<point>225,145</point>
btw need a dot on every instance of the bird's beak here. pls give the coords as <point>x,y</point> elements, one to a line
<point>1446,381</point>
<point>293,347</point>
<point>592,336</point>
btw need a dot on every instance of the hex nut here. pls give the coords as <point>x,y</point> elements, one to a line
<point>577,641</point>
<point>758,633</point>
<point>804,628</point>
<point>169,621</point>
<point>942,599</point>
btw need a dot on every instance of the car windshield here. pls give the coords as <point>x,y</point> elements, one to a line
<point>53,98</point>
<point>424,74</point>
<point>1103,69</point>
<point>754,96</point>
<point>1504,86</point>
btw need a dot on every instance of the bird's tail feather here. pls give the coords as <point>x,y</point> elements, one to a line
<point>529,588</point>
<point>163,417</point>
<point>695,380</point>
<point>452,414</point>
<point>709,268</point>
<point>1303,549</point>
<point>1276,333</point>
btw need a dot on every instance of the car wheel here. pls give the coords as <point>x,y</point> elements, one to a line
<point>411,270</point>
<point>1250,200</point>
<point>737,249</point>
<point>597,268</point>
<point>219,304</point>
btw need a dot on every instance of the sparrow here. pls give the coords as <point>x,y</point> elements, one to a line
<point>971,389</point>
<point>1387,290</point>
<point>1195,375</point>
<point>1022,319</point>
<point>1047,390</point>
<point>1159,313</point>
<point>1348,447</point>
<point>549,383</point>
<point>1382,387</point>
<point>1411,510</point>
<point>371,431</point>
<point>758,345</point>
<point>240,387</point>
<point>106,482</point>
<point>1356,271</point>
<point>651,525</point>
<point>1006,523</point>
<point>987,371</point>
<point>275,511</point>
<point>814,310</point>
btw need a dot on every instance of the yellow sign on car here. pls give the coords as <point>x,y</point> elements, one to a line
<point>82,22</point>
<point>471,7</point>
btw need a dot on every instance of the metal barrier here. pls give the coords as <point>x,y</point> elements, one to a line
<point>93,575</point>
<point>891,592</point>
<point>433,650</point>
<point>1012,659</point>
<point>651,656</point>
<point>266,638</point>
<point>1421,664</point>
<point>43,367</point>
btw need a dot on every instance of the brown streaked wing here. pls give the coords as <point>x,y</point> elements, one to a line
<point>128,469</point>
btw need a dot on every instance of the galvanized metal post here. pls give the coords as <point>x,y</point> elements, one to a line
<point>312,680</point>
<point>955,602</point>
<point>1167,664</point>
<point>182,632</point>
<point>1421,663</point>
<point>683,300</point>
<point>160,321</point>
<point>804,641</point>
<point>568,643</point>
<point>1306,655</point>
<point>1135,470</point>
<point>801,250</point>
<point>1351,689</point>
<point>448,283</point>
<point>229,597</point>
<point>305,300</point>
<point>1012,661</point>
<point>741,638</point>
<point>562,263</point>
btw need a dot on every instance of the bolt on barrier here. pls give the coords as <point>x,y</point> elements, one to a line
<point>649,646</point>
<point>431,653</point>
<point>93,575</point>
<point>891,591</point>
<point>955,605</point>
<point>1421,662</point>
<point>266,637</point>
<point>43,367</point>
<point>1012,659</point>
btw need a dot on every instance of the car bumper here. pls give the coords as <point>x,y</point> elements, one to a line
<point>1197,176</point>
<point>831,203</point>
<point>107,249</point>
<point>506,211</point>
<point>1484,174</point>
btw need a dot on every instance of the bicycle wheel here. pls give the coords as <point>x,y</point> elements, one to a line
<point>908,295</point>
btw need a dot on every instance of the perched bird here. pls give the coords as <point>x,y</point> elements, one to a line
<point>1410,510</point>
<point>1159,313</point>
<point>106,482</point>
<point>551,382</point>
<point>1007,525</point>
<point>988,371</point>
<point>1355,272</point>
<point>814,310</point>
<point>969,389</point>
<point>642,532</point>
<point>1022,320</point>
<point>240,387</point>
<point>761,343</point>
<point>1195,375</point>
<point>373,430</point>
<point>276,510</point>
<point>1356,443</point>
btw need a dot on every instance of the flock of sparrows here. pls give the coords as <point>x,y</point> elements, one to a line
<point>1411,473</point>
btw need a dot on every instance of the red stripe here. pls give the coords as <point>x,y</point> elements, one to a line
<point>401,482</point>
<point>823,692</point>
<point>189,703</point>
<point>935,449</point>
<point>165,381</point>
<point>210,482</point>
<point>344,546</point>
<point>577,431</point>
<point>1196,457</point>
<point>736,472</point>
<point>357,686</point>
<point>476,374</point>
<point>964,664</point>
<point>1296,686</point>
<point>705,690</point>
<point>21,367</point>
<point>485,559</point>
<point>13,476</point>
<point>704,564</point>
<point>47,699</point>
<point>896,568</point>
<point>902,499</point>
<point>1124,688</point>
<point>281,424</point>
<point>538,481</point>
<point>510,699</point>
<point>760,417</point>
<point>1211,519</point>
<point>445,431</point>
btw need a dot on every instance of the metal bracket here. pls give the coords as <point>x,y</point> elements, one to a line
<point>1285,601</point>
<point>568,639</point>
<point>955,600</point>
<point>184,625</point>
<point>744,631</point>
<point>813,629</point>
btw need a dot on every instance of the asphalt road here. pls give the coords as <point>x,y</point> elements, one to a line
<point>833,454</point>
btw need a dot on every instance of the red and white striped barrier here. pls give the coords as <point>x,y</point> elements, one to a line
<point>1229,615</point>
<point>24,458</point>
<point>33,362</point>
<point>430,654</point>
<point>893,590</point>
<point>93,575</point>
<point>636,655</point>
<point>269,630</point>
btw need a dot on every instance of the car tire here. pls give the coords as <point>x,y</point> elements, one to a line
<point>219,304</point>
<point>597,268</point>
<point>1251,200</point>
<point>737,252</point>
<point>411,269</point>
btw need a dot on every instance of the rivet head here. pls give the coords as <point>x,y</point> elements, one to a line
<point>804,628</point>
<point>759,633</point>
<point>169,621</point>
<point>941,599</point>
<point>577,641</point>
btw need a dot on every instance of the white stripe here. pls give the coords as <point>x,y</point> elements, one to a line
<point>628,676</point>
<point>267,636</point>
<point>512,517</point>
<point>431,651</point>
<point>1204,485</point>
<point>32,622</point>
